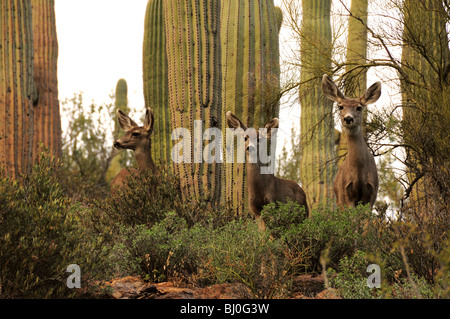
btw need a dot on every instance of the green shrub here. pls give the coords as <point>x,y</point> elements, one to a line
<point>165,249</point>
<point>351,280</point>
<point>147,199</point>
<point>41,233</point>
<point>240,252</point>
<point>341,231</point>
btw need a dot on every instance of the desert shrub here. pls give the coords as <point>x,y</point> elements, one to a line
<point>281,217</point>
<point>240,252</point>
<point>351,280</point>
<point>144,202</point>
<point>156,252</point>
<point>41,233</point>
<point>147,199</point>
<point>339,231</point>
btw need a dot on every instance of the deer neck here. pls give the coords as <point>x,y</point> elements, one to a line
<point>357,148</point>
<point>255,179</point>
<point>144,159</point>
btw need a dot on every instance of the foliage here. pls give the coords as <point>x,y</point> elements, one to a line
<point>351,281</point>
<point>341,231</point>
<point>86,154</point>
<point>41,233</point>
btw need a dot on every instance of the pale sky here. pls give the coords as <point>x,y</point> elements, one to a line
<point>100,41</point>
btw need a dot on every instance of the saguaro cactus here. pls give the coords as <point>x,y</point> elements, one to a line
<point>316,120</point>
<point>16,87</point>
<point>121,103</point>
<point>117,157</point>
<point>47,120</point>
<point>250,74</point>
<point>194,77</point>
<point>355,80</point>
<point>155,80</point>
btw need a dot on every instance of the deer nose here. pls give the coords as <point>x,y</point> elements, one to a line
<point>348,119</point>
<point>251,148</point>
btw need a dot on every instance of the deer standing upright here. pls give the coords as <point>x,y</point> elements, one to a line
<point>264,188</point>
<point>357,179</point>
<point>138,139</point>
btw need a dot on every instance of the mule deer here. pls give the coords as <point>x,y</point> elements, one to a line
<point>357,179</point>
<point>138,139</point>
<point>264,188</point>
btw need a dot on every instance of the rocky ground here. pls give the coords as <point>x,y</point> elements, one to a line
<point>304,287</point>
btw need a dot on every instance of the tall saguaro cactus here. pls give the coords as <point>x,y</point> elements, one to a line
<point>16,87</point>
<point>355,80</point>
<point>47,120</point>
<point>316,120</point>
<point>194,78</point>
<point>250,73</point>
<point>424,85</point>
<point>155,80</point>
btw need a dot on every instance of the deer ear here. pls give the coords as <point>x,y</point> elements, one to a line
<point>149,120</point>
<point>234,122</point>
<point>272,124</point>
<point>372,94</point>
<point>330,90</point>
<point>125,122</point>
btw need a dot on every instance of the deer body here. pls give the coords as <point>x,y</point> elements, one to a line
<point>138,139</point>
<point>357,178</point>
<point>264,188</point>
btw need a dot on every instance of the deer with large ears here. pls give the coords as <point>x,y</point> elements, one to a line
<point>263,188</point>
<point>357,179</point>
<point>138,139</point>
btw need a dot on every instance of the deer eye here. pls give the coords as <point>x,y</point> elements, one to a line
<point>246,138</point>
<point>359,108</point>
<point>340,107</point>
<point>135,134</point>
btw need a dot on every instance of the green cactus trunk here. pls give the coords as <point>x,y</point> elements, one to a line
<point>117,158</point>
<point>155,81</point>
<point>120,103</point>
<point>425,53</point>
<point>17,92</point>
<point>316,121</point>
<point>250,75</point>
<point>194,77</point>
<point>47,119</point>
<point>355,80</point>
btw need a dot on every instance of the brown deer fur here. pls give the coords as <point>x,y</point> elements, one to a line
<point>264,188</point>
<point>357,179</point>
<point>138,139</point>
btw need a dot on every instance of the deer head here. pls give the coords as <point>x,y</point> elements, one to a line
<point>252,137</point>
<point>136,137</point>
<point>350,110</point>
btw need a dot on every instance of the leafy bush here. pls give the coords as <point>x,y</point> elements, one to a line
<point>41,233</point>
<point>340,231</point>
<point>240,252</point>
<point>168,248</point>
<point>351,280</point>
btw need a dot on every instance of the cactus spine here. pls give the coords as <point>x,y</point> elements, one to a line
<point>194,78</point>
<point>16,87</point>
<point>47,120</point>
<point>155,80</point>
<point>250,73</point>
<point>316,120</point>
